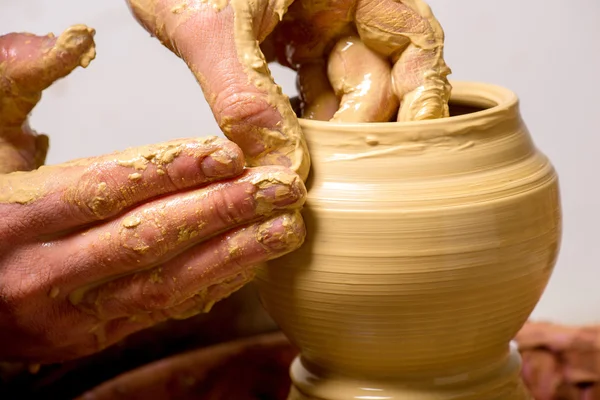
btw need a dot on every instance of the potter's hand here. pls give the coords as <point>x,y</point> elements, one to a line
<point>370,54</point>
<point>28,65</point>
<point>357,60</point>
<point>219,40</point>
<point>95,249</point>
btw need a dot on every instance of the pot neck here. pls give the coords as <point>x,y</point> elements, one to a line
<point>444,146</point>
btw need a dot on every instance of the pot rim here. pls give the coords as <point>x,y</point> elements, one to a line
<point>498,103</point>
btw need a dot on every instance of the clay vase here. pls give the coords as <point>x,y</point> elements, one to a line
<point>428,246</point>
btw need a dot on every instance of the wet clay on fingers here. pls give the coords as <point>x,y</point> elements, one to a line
<point>362,79</point>
<point>408,33</point>
<point>428,245</point>
<point>250,108</point>
<point>404,34</point>
<point>318,100</point>
<point>28,65</point>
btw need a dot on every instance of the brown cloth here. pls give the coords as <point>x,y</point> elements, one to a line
<point>560,362</point>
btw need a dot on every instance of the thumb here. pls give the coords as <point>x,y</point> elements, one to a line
<point>220,42</point>
<point>28,65</point>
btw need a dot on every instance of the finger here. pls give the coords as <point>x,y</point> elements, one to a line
<point>205,300</point>
<point>220,42</point>
<point>302,42</point>
<point>157,231</point>
<point>110,332</point>
<point>557,338</point>
<point>70,195</point>
<point>319,101</point>
<point>408,33</point>
<point>191,273</point>
<point>542,373</point>
<point>32,63</point>
<point>419,78</point>
<point>362,79</point>
<point>28,65</point>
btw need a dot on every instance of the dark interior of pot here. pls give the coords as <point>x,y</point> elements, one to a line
<point>458,108</point>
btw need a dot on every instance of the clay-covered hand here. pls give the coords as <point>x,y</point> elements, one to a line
<point>28,65</point>
<point>219,40</point>
<point>357,61</point>
<point>95,249</point>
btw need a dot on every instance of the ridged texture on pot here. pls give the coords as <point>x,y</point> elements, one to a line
<point>428,246</point>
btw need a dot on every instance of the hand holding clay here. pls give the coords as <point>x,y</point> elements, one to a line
<point>357,60</point>
<point>95,249</point>
<point>219,40</point>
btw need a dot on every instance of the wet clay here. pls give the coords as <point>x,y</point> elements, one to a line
<point>428,245</point>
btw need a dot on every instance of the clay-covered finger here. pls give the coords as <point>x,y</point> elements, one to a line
<point>408,33</point>
<point>220,42</point>
<point>206,299</point>
<point>318,100</point>
<point>419,78</point>
<point>71,195</point>
<point>157,231</point>
<point>28,65</point>
<point>112,331</point>
<point>362,78</point>
<point>193,272</point>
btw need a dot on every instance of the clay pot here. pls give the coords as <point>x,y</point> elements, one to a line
<point>428,246</point>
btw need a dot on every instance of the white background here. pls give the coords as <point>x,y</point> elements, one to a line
<point>548,51</point>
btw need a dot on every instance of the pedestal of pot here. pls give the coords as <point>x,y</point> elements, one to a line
<point>499,380</point>
<point>428,246</point>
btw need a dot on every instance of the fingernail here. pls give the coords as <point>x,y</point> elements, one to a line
<point>283,233</point>
<point>223,162</point>
<point>279,192</point>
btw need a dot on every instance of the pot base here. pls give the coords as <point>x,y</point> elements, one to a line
<point>500,381</point>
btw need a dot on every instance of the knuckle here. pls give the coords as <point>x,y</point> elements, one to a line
<point>19,298</point>
<point>224,209</point>
<point>242,109</point>
<point>141,237</point>
<point>97,194</point>
<point>154,293</point>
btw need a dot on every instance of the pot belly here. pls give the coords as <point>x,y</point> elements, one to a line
<point>418,285</point>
